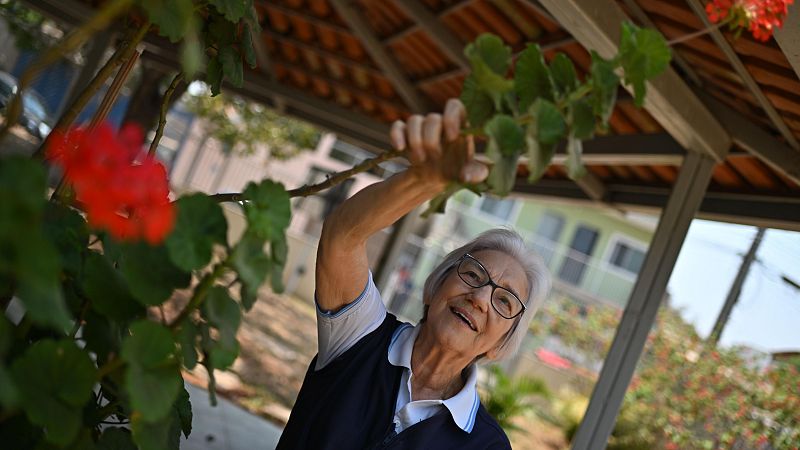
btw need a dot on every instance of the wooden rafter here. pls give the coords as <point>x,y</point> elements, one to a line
<point>596,25</point>
<point>389,66</point>
<point>779,156</point>
<point>788,37</point>
<point>744,74</point>
<point>447,42</point>
<point>451,8</point>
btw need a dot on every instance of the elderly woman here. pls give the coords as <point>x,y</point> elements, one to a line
<point>377,382</point>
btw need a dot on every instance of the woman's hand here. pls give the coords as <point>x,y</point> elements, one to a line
<point>435,160</point>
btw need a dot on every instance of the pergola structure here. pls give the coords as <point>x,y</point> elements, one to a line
<point>717,139</point>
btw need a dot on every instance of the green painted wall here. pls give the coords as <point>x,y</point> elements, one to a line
<point>599,277</point>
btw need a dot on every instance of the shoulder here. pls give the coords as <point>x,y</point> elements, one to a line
<point>491,430</point>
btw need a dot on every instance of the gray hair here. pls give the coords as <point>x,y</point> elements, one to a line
<point>512,244</point>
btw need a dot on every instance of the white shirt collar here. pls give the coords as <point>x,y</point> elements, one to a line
<point>463,406</point>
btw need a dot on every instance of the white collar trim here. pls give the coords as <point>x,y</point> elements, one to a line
<point>463,406</point>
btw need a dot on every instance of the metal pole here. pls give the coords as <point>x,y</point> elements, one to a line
<point>736,288</point>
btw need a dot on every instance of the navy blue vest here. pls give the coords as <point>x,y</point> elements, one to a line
<point>350,403</point>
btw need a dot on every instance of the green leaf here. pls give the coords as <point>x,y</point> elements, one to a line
<point>191,55</point>
<point>116,438</point>
<point>232,65</point>
<point>490,59</point>
<point>38,283</point>
<point>30,261</point>
<point>604,87</point>
<point>150,345</point>
<point>103,337</point>
<point>539,156</point>
<point>479,104</point>
<point>233,10</point>
<point>575,167</point>
<point>67,230</point>
<point>214,75</point>
<point>550,124</point>
<point>183,409</point>
<point>503,173</point>
<point>55,380</point>
<point>643,54</point>
<point>581,118</point>
<point>173,18</point>
<point>187,338</point>
<point>252,265</point>
<point>490,50</point>
<point>160,435</point>
<point>532,78</point>
<point>564,76</point>
<point>9,395</point>
<point>223,313</point>
<point>505,135</point>
<point>267,209</point>
<point>219,354</point>
<point>494,85</point>
<point>279,251</point>
<point>247,46</point>
<point>200,224</point>
<point>105,287</point>
<point>152,378</point>
<point>150,273</point>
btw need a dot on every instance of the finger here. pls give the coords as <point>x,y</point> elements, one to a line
<point>432,135</point>
<point>474,172</point>
<point>397,135</point>
<point>414,139</point>
<point>454,116</point>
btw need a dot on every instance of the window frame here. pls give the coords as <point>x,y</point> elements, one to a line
<point>633,243</point>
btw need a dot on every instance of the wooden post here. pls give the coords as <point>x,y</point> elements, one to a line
<point>646,297</point>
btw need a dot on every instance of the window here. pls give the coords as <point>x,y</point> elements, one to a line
<point>626,257</point>
<point>500,208</point>
<point>581,249</point>
<point>547,235</point>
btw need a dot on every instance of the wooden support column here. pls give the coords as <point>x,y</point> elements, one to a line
<point>393,248</point>
<point>640,313</point>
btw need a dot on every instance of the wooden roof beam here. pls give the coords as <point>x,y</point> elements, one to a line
<point>325,54</point>
<point>359,26</point>
<point>447,42</point>
<point>779,156</point>
<point>439,77</point>
<point>453,7</point>
<point>748,79</point>
<point>788,37</point>
<point>596,25</point>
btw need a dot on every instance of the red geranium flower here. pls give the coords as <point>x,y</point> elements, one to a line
<point>123,190</point>
<point>761,17</point>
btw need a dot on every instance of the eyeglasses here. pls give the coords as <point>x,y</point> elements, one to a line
<point>505,302</point>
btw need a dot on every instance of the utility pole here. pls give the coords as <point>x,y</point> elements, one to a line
<point>736,287</point>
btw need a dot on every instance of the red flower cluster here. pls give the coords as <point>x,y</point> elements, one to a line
<point>761,17</point>
<point>123,191</point>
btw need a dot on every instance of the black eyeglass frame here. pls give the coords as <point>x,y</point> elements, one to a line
<point>491,283</point>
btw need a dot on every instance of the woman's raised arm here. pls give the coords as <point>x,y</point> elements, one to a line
<point>342,268</point>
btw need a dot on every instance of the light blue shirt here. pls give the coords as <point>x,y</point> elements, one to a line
<point>339,331</point>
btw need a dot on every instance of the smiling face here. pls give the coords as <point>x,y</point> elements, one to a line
<point>461,318</point>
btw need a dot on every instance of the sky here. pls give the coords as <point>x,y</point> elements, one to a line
<point>767,316</point>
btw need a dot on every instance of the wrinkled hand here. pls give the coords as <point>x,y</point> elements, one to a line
<point>451,160</point>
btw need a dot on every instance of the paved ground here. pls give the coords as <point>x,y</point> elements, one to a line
<point>226,426</point>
